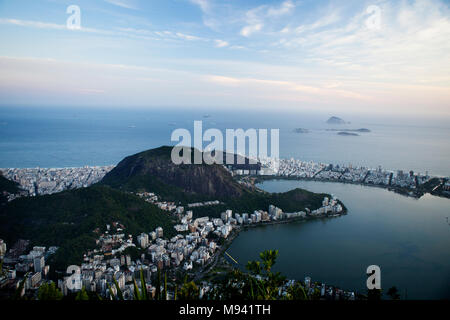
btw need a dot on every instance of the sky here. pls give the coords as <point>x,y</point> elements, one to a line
<point>368,57</point>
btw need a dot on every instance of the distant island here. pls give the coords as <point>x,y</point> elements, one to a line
<point>301,130</point>
<point>345,133</point>
<point>350,130</point>
<point>336,120</point>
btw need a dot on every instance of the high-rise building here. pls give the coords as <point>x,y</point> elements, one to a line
<point>39,264</point>
<point>2,248</point>
<point>143,240</point>
<point>307,282</point>
<point>159,232</point>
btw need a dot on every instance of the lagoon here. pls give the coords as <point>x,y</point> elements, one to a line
<point>408,238</point>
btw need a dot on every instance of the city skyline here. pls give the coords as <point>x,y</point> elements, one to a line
<point>365,57</point>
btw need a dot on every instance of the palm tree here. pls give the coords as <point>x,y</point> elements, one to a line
<point>393,293</point>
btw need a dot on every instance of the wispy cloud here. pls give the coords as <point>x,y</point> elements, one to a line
<point>120,32</point>
<point>221,43</point>
<point>204,5</point>
<point>33,24</point>
<point>285,8</point>
<point>128,4</point>
<point>250,29</point>
<point>49,25</point>
<point>257,17</point>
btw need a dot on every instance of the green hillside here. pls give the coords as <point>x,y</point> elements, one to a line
<point>67,219</point>
<point>292,201</point>
<point>153,171</point>
<point>7,186</point>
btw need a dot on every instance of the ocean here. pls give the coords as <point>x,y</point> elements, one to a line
<point>73,137</point>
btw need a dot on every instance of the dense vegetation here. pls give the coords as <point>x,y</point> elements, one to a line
<point>7,186</point>
<point>67,219</point>
<point>153,171</point>
<point>292,201</point>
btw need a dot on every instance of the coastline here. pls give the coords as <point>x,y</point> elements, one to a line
<point>398,190</point>
<point>237,231</point>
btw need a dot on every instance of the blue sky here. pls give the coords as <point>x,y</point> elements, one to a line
<point>355,56</point>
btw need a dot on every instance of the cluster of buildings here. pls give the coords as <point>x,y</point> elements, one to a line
<point>324,291</point>
<point>114,257</point>
<point>224,225</point>
<point>203,204</point>
<point>363,175</point>
<point>194,246</point>
<point>447,186</point>
<point>39,181</point>
<point>111,260</point>
<point>21,267</point>
<point>150,197</point>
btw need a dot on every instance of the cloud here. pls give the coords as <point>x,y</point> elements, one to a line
<point>50,81</point>
<point>250,29</point>
<point>327,56</point>
<point>49,25</point>
<point>203,4</point>
<point>128,4</point>
<point>256,18</point>
<point>33,24</point>
<point>187,36</point>
<point>287,85</point>
<point>221,43</point>
<point>142,34</point>
<point>320,23</point>
<point>285,8</point>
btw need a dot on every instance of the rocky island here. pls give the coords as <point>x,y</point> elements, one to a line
<point>301,130</point>
<point>336,120</point>
<point>346,133</point>
<point>364,130</point>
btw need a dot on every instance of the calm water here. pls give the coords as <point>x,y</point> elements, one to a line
<point>31,137</point>
<point>409,239</point>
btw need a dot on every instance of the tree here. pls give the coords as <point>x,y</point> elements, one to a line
<point>2,273</point>
<point>374,294</point>
<point>296,292</point>
<point>260,283</point>
<point>49,291</point>
<point>189,291</point>
<point>268,257</point>
<point>393,293</point>
<point>82,295</point>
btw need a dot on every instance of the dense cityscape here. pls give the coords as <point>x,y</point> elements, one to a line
<point>120,258</point>
<point>40,181</point>
<point>196,247</point>
<point>353,174</point>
